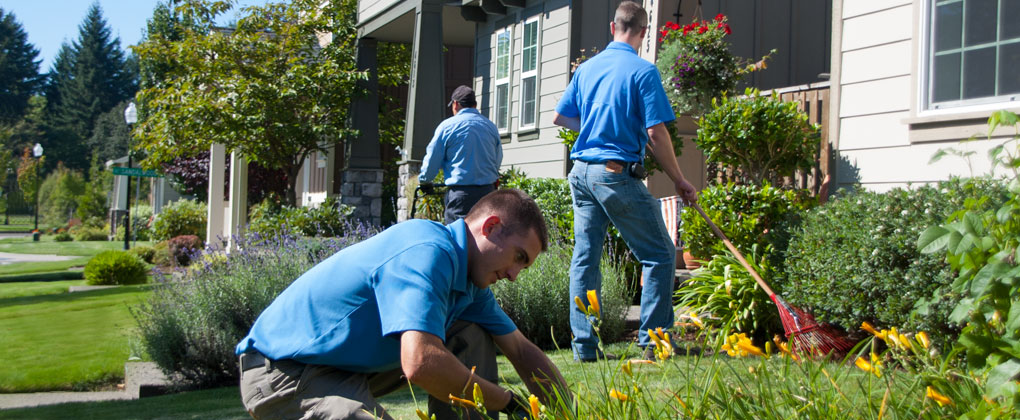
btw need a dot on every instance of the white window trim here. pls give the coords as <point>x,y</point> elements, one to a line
<point>925,106</point>
<point>532,73</point>
<point>503,81</point>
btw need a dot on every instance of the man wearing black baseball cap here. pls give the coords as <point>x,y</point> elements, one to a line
<point>466,147</point>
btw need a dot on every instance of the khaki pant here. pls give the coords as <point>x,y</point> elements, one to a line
<point>286,389</point>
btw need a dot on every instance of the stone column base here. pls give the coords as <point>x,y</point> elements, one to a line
<point>407,181</point>
<point>362,189</point>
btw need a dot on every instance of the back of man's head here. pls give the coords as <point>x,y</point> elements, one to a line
<point>518,213</point>
<point>630,17</point>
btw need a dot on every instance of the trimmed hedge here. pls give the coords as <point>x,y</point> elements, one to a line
<point>855,259</point>
<point>115,267</point>
<point>749,215</point>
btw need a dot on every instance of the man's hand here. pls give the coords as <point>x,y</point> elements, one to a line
<point>539,373</point>
<point>427,187</point>
<point>428,364</point>
<point>518,407</point>
<point>686,191</point>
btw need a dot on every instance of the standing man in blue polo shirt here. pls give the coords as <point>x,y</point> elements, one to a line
<point>617,104</point>
<point>411,304</point>
<point>466,147</point>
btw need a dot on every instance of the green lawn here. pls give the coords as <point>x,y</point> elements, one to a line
<point>17,228</point>
<point>64,341</point>
<point>35,288</point>
<point>83,250</point>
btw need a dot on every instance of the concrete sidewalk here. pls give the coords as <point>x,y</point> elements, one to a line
<point>141,379</point>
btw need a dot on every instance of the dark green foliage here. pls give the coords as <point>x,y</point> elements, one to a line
<point>183,248</point>
<point>146,253</point>
<point>90,233</point>
<point>182,217</point>
<point>92,207</point>
<point>161,254</point>
<point>191,327</point>
<point>115,267</point>
<point>329,219</point>
<point>63,237</point>
<point>89,77</point>
<point>141,229</point>
<point>19,68</point>
<point>552,196</point>
<point>855,258</point>
<point>58,196</point>
<point>110,136</point>
<point>539,301</point>
<point>748,215</point>
<point>761,137</point>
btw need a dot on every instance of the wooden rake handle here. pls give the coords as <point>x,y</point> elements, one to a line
<point>733,249</point>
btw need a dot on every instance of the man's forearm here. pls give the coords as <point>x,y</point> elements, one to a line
<point>661,145</point>
<point>429,365</point>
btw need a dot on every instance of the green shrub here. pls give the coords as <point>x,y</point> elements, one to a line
<point>327,220</point>
<point>748,215</point>
<point>855,259</point>
<point>182,217</point>
<point>92,205</point>
<point>115,267</point>
<point>161,254</point>
<point>58,195</point>
<point>551,194</point>
<point>191,327</point>
<point>63,237</point>
<point>538,301</point>
<point>141,229</point>
<point>89,233</point>
<point>146,253</point>
<point>762,137</point>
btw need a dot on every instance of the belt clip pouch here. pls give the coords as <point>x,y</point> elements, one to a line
<point>637,170</point>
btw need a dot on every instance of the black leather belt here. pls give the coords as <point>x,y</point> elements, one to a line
<point>251,360</point>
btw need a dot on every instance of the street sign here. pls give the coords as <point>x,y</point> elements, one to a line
<point>120,170</point>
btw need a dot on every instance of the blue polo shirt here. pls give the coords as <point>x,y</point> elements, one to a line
<point>348,310</point>
<point>617,95</point>
<point>466,147</point>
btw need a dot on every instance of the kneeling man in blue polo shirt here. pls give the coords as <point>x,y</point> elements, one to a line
<point>409,304</point>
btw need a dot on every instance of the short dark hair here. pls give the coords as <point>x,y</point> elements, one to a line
<point>630,17</point>
<point>518,212</point>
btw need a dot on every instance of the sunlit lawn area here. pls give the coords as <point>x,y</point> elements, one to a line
<point>704,375</point>
<point>64,341</point>
<point>46,245</point>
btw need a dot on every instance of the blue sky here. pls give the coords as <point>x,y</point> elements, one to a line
<point>51,22</point>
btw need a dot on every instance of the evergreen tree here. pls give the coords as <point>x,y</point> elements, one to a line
<point>19,69</point>
<point>88,79</point>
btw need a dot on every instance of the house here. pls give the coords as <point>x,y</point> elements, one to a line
<point>913,76</point>
<point>520,54</point>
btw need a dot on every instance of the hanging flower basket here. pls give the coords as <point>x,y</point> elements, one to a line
<point>697,66</point>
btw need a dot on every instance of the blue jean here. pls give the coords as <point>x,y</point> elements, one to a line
<point>601,197</point>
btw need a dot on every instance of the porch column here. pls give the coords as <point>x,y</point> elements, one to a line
<point>361,187</point>
<point>238,198</point>
<point>425,103</point>
<point>217,165</point>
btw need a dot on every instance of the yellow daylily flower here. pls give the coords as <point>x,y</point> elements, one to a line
<point>679,400</point>
<point>627,368</point>
<point>477,393</point>
<point>421,415</point>
<point>697,320</point>
<point>750,348</point>
<point>462,402</point>
<point>535,407</point>
<point>613,393</point>
<point>939,398</point>
<point>655,338</point>
<point>580,305</point>
<point>593,302</point>
<point>866,366</point>
<point>867,327</point>
<point>922,338</point>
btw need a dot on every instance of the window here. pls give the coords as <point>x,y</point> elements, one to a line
<point>529,73</point>
<point>502,104</point>
<point>973,52</point>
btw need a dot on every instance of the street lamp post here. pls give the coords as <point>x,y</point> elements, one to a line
<point>131,117</point>
<point>37,153</point>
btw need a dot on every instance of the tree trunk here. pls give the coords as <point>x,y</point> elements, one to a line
<point>292,178</point>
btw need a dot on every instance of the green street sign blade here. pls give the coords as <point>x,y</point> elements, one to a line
<point>120,170</point>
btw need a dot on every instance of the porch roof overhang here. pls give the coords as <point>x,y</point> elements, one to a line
<point>396,23</point>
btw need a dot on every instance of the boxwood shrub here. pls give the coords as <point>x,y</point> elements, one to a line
<point>749,215</point>
<point>539,301</point>
<point>182,217</point>
<point>855,258</point>
<point>115,267</point>
<point>328,219</point>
